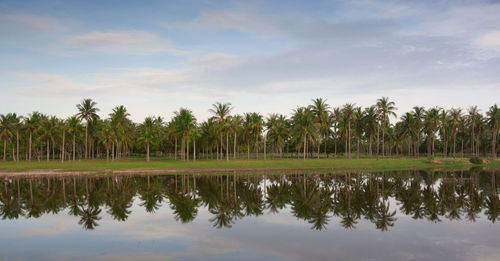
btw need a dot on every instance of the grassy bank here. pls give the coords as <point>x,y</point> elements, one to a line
<point>132,165</point>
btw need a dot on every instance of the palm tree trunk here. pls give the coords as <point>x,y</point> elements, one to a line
<point>494,143</point>
<point>234,146</point>
<point>17,140</point>
<point>383,138</point>
<point>86,137</point>
<point>357,147</point>
<point>4,149</point>
<point>428,145</point>
<point>187,148</point>
<point>31,136</point>
<point>221,146</point>
<point>183,148</point>
<point>326,141</point>
<point>74,146</point>
<point>472,141</point>
<point>227,146</point>
<point>454,144</point>
<point>62,147</point>
<point>248,150</point>
<point>256,147</point>
<point>378,139</point>
<point>305,145</point>
<point>194,149</point>
<point>319,146</point>
<point>48,149</point>
<point>107,153</point>
<point>349,123</point>
<point>370,145</point>
<point>175,149</point>
<point>345,147</point>
<point>265,145</point>
<point>147,152</point>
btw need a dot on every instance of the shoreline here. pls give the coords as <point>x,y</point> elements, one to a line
<point>134,167</point>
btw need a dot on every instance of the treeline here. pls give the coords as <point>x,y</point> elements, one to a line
<point>318,199</point>
<point>314,131</point>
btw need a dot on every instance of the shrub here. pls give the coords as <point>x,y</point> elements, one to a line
<point>476,160</point>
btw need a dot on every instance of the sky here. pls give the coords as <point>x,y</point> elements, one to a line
<point>154,57</point>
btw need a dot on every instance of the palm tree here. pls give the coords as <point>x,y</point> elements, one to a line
<point>431,123</point>
<point>16,126</point>
<point>147,134</point>
<point>87,111</point>
<point>184,123</point>
<point>256,126</point>
<point>418,114</point>
<point>408,122</point>
<point>121,125</point>
<point>31,123</point>
<point>370,122</point>
<point>6,131</point>
<point>107,136</point>
<point>278,127</point>
<point>235,127</point>
<point>221,112</point>
<point>349,112</point>
<point>386,108</point>
<point>73,127</point>
<point>494,121</point>
<point>320,110</point>
<point>473,119</point>
<point>304,127</point>
<point>455,116</point>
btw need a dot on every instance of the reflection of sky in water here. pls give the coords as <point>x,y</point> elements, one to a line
<point>158,236</point>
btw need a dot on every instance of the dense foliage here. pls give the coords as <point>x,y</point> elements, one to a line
<point>313,131</point>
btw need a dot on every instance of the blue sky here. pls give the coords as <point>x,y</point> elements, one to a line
<point>265,56</point>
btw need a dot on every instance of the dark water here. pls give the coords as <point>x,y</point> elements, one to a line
<point>409,215</point>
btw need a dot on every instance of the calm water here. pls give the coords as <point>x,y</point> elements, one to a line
<point>409,215</point>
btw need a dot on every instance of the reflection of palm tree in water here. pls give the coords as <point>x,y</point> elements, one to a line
<point>492,203</point>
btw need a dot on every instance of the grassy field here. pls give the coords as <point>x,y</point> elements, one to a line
<point>139,165</point>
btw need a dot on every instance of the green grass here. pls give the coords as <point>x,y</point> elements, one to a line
<point>136,164</point>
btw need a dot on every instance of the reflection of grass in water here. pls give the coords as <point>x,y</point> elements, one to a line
<point>159,164</point>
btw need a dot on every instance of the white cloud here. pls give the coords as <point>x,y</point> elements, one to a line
<point>490,40</point>
<point>126,42</point>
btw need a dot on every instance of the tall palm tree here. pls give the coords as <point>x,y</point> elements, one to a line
<point>370,123</point>
<point>349,112</point>
<point>431,123</point>
<point>16,127</point>
<point>87,111</point>
<point>221,112</point>
<point>235,127</point>
<point>304,127</point>
<point>73,128</point>
<point>494,122</point>
<point>455,116</point>
<point>147,134</point>
<point>386,108</point>
<point>278,128</point>
<point>185,122</point>
<point>418,115</point>
<point>320,109</point>
<point>31,123</point>
<point>6,131</point>
<point>256,126</point>
<point>121,125</point>
<point>473,117</point>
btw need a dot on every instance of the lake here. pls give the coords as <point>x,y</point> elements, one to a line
<point>292,215</point>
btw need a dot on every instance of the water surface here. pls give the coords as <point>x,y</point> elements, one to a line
<point>404,215</point>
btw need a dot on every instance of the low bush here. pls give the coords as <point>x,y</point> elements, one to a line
<point>476,160</point>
